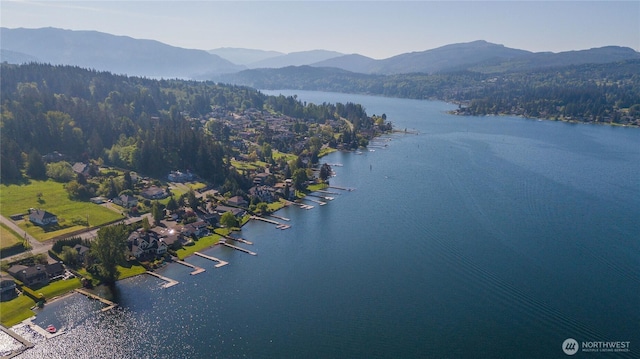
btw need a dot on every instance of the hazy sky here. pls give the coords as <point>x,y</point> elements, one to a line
<point>378,29</point>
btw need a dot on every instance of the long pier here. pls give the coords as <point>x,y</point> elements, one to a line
<point>343,188</point>
<point>170,282</point>
<point>315,201</point>
<point>265,220</point>
<point>327,192</point>
<point>241,240</point>
<point>220,261</point>
<point>109,304</point>
<point>240,249</point>
<point>25,343</point>
<point>196,269</point>
<point>278,224</point>
<point>279,217</point>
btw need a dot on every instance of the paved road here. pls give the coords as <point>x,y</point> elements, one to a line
<point>38,247</point>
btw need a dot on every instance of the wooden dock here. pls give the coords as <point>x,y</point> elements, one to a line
<point>343,188</point>
<point>326,192</point>
<point>170,282</point>
<point>220,261</point>
<point>279,217</point>
<point>265,220</point>
<point>241,240</point>
<point>315,201</point>
<point>240,249</point>
<point>196,269</point>
<point>109,304</point>
<point>25,343</point>
<point>278,224</point>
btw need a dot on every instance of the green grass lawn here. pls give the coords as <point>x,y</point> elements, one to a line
<point>287,156</point>
<point>241,165</point>
<point>274,206</point>
<point>130,271</point>
<point>316,187</point>
<point>16,310</point>
<point>201,244</point>
<point>19,198</point>
<point>8,237</point>
<point>59,287</point>
<point>196,185</point>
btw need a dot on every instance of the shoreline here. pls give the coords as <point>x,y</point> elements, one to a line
<point>570,121</point>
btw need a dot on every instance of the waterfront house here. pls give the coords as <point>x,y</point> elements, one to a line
<point>54,269</point>
<point>30,276</point>
<point>237,201</point>
<point>7,288</point>
<point>143,244</point>
<point>199,229</point>
<point>237,212</point>
<point>41,217</point>
<point>126,201</point>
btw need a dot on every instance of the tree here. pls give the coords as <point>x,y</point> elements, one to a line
<point>228,220</point>
<point>193,200</point>
<point>60,171</point>
<point>145,224</point>
<point>157,211</point>
<point>35,165</point>
<point>69,256</point>
<point>325,171</point>
<point>300,178</point>
<point>172,205</point>
<point>109,250</point>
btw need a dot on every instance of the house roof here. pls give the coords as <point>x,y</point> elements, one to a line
<point>80,167</point>
<point>41,214</point>
<point>54,268</point>
<point>27,272</point>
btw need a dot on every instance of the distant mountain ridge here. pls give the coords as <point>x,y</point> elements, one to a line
<point>242,56</point>
<point>117,54</point>
<point>299,58</point>
<point>125,55</point>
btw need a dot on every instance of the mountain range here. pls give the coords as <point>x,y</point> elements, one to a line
<point>125,55</point>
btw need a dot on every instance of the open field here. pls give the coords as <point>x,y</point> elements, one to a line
<point>72,215</point>
<point>8,237</point>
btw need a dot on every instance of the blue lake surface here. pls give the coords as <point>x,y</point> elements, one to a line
<point>476,237</point>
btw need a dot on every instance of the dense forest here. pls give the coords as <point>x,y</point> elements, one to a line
<point>134,123</point>
<point>587,93</point>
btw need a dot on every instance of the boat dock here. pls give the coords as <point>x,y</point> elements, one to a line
<point>196,269</point>
<point>220,261</point>
<point>278,224</point>
<point>109,304</point>
<point>265,220</point>
<point>240,249</point>
<point>343,188</point>
<point>241,240</point>
<point>170,282</point>
<point>326,192</point>
<point>321,197</point>
<point>279,217</point>
<point>304,206</point>
<point>25,343</point>
<point>315,201</point>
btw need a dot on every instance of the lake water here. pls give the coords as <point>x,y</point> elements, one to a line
<point>476,237</point>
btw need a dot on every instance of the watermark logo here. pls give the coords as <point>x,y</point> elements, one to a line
<point>570,346</point>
